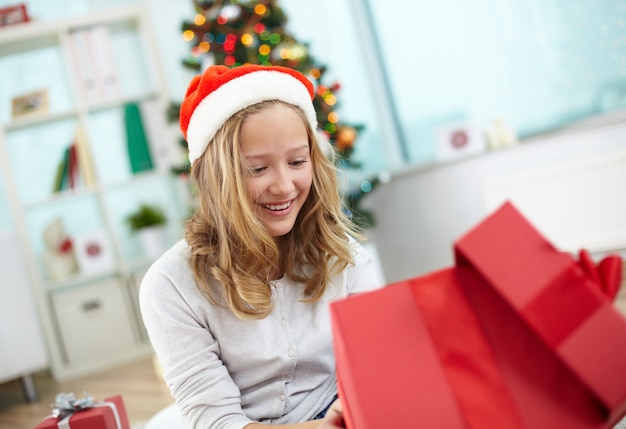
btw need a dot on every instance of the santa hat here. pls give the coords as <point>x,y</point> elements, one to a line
<point>220,92</point>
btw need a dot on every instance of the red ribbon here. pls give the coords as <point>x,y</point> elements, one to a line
<point>606,275</point>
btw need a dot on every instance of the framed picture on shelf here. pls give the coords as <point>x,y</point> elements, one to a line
<point>93,253</point>
<point>13,14</point>
<point>459,139</point>
<point>35,102</point>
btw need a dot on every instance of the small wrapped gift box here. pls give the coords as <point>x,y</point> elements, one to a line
<point>109,413</point>
<point>515,335</point>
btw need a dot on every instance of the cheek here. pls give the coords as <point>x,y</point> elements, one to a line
<point>253,189</point>
<point>305,180</point>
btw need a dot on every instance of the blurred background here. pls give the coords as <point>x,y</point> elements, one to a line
<point>442,111</point>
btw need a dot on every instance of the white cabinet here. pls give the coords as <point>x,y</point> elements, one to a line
<point>93,321</point>
<point>22,348</point>
<point>87,300</point>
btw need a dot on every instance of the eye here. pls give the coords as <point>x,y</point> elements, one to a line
<point>257,170</point>
<point>298,162</point>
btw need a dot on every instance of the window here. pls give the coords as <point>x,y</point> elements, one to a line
<point>537,64</point>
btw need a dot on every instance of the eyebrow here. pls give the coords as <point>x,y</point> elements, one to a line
<point>267,154</point>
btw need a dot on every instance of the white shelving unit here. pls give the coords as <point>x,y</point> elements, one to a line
<point>90,318</point>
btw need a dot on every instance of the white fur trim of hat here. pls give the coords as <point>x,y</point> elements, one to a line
<point>220,92</point>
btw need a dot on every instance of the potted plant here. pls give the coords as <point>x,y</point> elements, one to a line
<point>149,222</point>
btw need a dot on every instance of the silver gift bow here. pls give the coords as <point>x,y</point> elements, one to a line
<point>67,403</point>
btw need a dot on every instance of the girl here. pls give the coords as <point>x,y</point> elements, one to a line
<point>238,312</point>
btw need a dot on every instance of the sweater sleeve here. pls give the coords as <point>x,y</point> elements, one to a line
<point>189,354</point>
<point>362,276</point>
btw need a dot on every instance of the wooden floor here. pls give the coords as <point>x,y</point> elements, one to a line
<point>143,391</point>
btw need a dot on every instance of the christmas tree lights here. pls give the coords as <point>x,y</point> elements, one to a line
<point>239,32</point>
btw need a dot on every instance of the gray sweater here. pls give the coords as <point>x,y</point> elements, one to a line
<point>225,372</point>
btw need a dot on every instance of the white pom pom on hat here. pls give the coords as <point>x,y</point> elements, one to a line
<point>219,92</point>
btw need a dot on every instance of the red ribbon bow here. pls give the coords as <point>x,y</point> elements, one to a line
<point>607,274</point>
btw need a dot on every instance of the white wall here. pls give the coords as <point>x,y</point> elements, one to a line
<point>167,18</point>
<point>577,176</point>
<point>22,347</point>
<point>421,211</point>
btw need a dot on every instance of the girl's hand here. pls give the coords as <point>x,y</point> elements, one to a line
<point>334,417</point>
<point>332,420</point>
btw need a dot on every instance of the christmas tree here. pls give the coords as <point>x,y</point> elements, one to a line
<point>239,32</point>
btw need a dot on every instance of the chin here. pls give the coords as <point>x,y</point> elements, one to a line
<point>279,231</point>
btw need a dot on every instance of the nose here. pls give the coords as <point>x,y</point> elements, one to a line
<point>282,182</point>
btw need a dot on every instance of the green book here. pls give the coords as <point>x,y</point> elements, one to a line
<point>138,149</point>
<point>60,176</point>
<point>65,182</point>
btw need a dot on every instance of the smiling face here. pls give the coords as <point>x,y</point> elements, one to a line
<point>275,144</point>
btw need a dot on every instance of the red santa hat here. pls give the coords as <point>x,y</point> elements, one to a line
<point>220,92</point>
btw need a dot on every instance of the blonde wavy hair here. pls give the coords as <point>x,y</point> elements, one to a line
<point>233,254</point>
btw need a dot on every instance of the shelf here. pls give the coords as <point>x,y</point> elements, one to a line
<point>60,197</point>
<point>39,119</point>
<point>69,194</point>
<point>137,178</point>
<point>76,280</point>
<point>14,38</point>
<point>104,105</point>
<point>11,43</point>
<point>35,148</point>
<point>45,118</point>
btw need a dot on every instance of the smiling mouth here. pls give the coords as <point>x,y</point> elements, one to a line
<point>277,207</point>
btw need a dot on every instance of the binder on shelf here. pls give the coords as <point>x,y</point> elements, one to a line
<point>58,177</point>
<point>61,178</point>
<point>85,160</point>
<point>101,56</point>
<point>65,170</point>
<point>72,168</point>
<point>92,53</point>
<point>76,167</point>
<point>86,72</point>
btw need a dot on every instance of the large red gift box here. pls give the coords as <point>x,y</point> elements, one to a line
<point>109,413</point>
<point>515,335</point>
<point>553,296</point>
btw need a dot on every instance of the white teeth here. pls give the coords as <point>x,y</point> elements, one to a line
<point>275,208</point>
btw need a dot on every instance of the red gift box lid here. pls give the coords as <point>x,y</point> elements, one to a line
<point>554,295</point>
